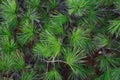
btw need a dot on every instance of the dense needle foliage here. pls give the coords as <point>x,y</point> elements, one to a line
<point>59,39</point>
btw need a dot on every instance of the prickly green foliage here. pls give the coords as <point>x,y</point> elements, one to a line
<point>117,4</point>
<point>28,76</point>
<point>30,16</point>
<point>8,45</point>
<point>6,63</point>
<point>53,4</point>
<point>110,74</point>
<point>60,18</point>
<point>106,75</point>
<point>53,75</point>
<point>116,74</point>
<point>5,32</point>
<point>77,7</point>
<point>73,58</point>
<point>27,33</point>
<point>78,72</point>
<point>79,37</point>
<point>102,40</point>
<point>32,4</point>
<point>106,63</point>
<point>18,65</point>
<point>59,40</point>
<point>11,62</point>
<point>49,46</point>
<point>106,2</point>
<point>114,27</point>
<point>56,27</point>
<point>9,10</point>
<point>52,41</point>
<point>42,50</point>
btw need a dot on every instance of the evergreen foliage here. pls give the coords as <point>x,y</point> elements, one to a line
<point>59,40</point>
